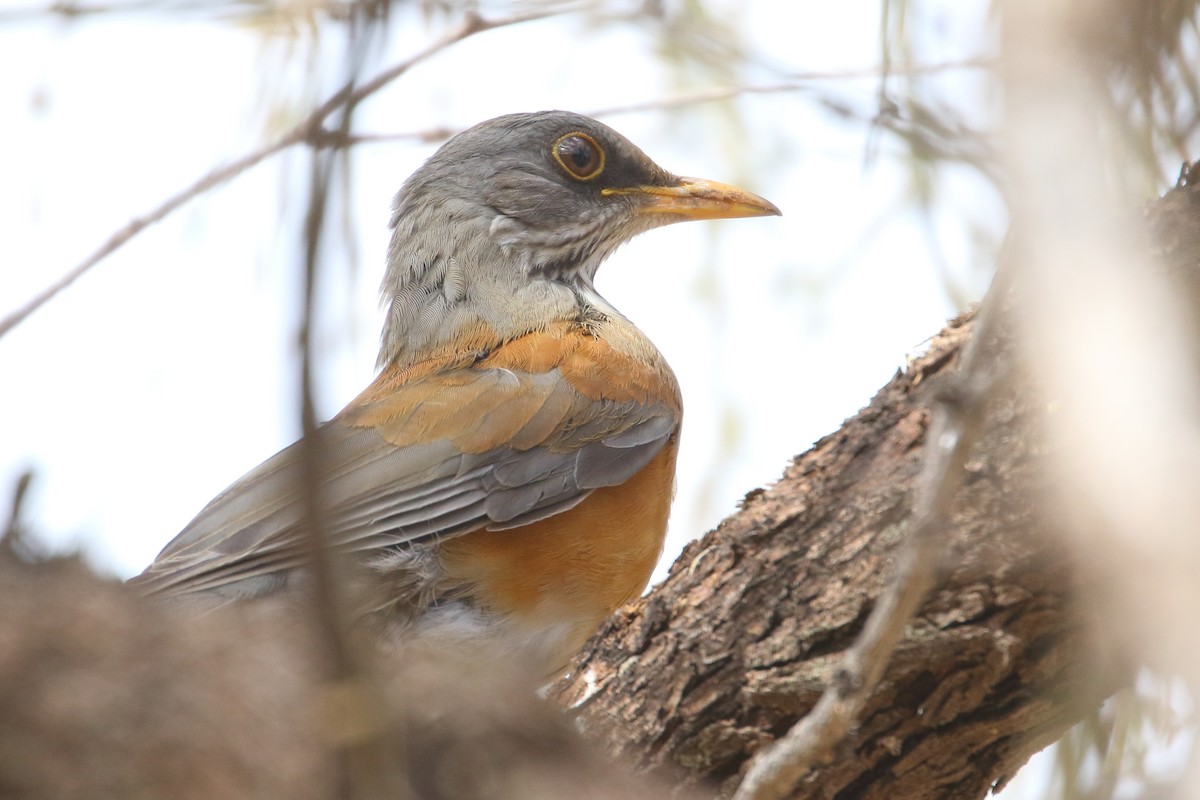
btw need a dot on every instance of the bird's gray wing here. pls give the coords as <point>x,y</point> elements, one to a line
<point>454,452</point>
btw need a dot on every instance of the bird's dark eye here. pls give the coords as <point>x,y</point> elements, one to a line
<point>579,155</point>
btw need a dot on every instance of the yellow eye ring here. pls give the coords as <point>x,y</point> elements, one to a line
<point>579,154</point>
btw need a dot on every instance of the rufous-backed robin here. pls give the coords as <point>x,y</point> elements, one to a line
<point>507,477</point>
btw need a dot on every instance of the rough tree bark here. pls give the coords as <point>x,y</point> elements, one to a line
<point>746,632</point>
<point>104,695</point>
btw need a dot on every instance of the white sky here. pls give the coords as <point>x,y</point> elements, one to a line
<point>169,371</point>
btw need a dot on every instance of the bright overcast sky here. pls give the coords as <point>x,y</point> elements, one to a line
<point>168,371</point>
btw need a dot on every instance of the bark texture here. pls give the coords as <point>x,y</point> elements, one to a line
<point>746,632</point>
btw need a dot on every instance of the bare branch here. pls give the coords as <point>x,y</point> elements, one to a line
<point>10,537</point>
<point>796,82</point>
<point>73,11</point>
<point>367,764</point>
<point>309,127</point>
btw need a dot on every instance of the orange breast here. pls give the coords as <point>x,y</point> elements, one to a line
<point>576,567</point>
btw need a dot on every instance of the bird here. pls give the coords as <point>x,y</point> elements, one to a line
<point>505,481</point>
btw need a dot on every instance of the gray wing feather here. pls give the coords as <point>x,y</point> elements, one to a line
<point>379,496</point>
<point>530,466</point>
<point>540,512</point>
<point>653,429</point>
<point>504,504</point>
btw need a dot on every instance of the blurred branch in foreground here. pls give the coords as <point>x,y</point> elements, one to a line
<point>1111,335</point>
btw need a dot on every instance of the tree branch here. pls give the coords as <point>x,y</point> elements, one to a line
<point>309,127</point>
<point>958,422</point>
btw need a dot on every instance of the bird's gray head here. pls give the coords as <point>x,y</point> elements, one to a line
<point>506,224</point>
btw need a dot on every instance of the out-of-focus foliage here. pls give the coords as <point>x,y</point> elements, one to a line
<point>269,13</point>
<point>1151,49</point>
<point>1135,745</point>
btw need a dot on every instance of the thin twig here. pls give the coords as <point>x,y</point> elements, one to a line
<point>956,426</point>
<point>365,764</point>
<point>795,82</point>
<point>308,127</point>
<point>799,80</point>
<point>10,538</point>
<point>328,600</point>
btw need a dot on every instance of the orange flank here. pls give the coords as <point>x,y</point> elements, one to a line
<point>577,566</point>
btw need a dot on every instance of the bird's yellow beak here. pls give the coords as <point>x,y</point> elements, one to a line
<point>696,198</point>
